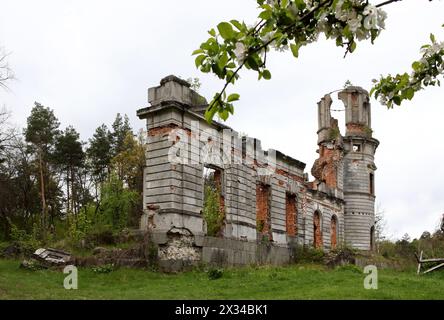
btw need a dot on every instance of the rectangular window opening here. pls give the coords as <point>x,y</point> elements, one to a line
<point>263,219</point>
<point>214,201</point>
<point>291,214</point>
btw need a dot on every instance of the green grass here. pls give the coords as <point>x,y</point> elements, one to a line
<point>293,282</point>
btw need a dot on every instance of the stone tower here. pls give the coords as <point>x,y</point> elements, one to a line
<point>328,168</point>
<point>359,169</point>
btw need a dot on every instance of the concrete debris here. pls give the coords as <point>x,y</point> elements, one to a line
<point>52,256</point>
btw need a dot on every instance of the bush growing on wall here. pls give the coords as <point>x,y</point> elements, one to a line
<point>212,212</point>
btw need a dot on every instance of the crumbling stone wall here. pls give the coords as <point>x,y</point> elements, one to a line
<point>181,144</point>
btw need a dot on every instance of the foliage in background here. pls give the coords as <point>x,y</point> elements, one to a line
<point>79,226</point>
<point>53,188</point>
<point>117,201</point>
<point>403,251</point>
<point>25,241</point>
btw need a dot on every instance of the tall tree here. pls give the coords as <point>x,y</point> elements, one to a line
<point>128,167</point>
<point>129,163</point>
<point>19,192</point>
<point>99,153</point>
<point>69,155</point>
<point>41,131</point>
<point>120,129</point>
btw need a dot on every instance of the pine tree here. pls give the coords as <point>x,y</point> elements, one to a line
<point>69,155</point>
<point>99,153</point>
<point>41,132</point>
<point>120,129</point>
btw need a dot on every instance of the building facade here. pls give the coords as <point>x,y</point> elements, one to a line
<point>266,203</point>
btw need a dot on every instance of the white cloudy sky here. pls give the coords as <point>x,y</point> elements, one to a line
<point>89,60</point>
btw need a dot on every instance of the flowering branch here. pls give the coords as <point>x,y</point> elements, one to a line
<point>282,25</point>
<point>425,72</point>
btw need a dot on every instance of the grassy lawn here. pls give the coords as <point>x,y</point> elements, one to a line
<point>293,282</point>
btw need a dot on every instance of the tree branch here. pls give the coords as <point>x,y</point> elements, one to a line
<point>387,2</point>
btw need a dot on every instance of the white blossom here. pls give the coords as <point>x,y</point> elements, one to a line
<point>267,37</point>
<point>375,18</point>
<point>323,23</point>
<point>279,47</point>
<point>382,15</point>
<point>370,10</point>
<point>433,49</point>
<point>339,13</point>
<point>240,52</point>
<point>309,4</point>
<point>354,24</point>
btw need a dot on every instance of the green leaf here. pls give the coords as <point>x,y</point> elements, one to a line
<point>301,4</point>
<point>347,33</point>
<point>221,63</point>
<point>252,63</point>
<point>231,65</point>
<point>212,32</point>
<point>199,60</point>
<point>339,42</point>
<point>295,49</point>
<point>416,65</point>
<point>233,97</point>
<point>197,52</point>
<point>226,30</point>
<point>353,46</point>
<point>265,15</point>
<point>237,24</point>
<point>223,114</point>
<point>211,111</point>
<point>230,108</point>
<point>266,74</point>
<point>409,93</point>
<point>432,38</point>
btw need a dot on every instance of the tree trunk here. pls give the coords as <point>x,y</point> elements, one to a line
<point>73,192</point>
<point>67,193</point>
<point>42,192</point>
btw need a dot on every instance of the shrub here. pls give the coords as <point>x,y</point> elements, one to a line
<point>79,226</point>
<point>101,236</point>
<point>215,273</point>
<point>304,254</point>
<point>116,204</point>
<point>212,212</point>
<point>31,265</point>
<point>27,242</point>
<point>107,268</point>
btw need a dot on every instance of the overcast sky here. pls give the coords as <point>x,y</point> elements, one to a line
<point>88,60</point>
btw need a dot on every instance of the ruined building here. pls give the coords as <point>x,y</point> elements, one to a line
<point>265,204</point>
